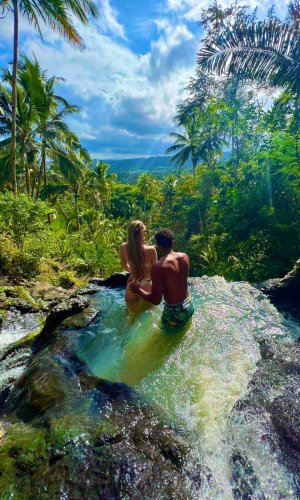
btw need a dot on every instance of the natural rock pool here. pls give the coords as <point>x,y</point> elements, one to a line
<point>208,413</point>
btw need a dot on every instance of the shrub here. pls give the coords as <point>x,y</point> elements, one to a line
<point>67,279</point>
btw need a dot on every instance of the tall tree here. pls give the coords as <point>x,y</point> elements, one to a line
<point>205,134</point>
<point>267,51</point>
<point>42,131</point>
<point>56,14</point>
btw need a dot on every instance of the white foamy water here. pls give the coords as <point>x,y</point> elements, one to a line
<point>15,327</point>
<point>195,379</point>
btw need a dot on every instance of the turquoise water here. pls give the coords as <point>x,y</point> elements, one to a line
<point>194,378</point>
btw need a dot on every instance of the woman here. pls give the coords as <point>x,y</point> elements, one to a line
<point>137,258</point>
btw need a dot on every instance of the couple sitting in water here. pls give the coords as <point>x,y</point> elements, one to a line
<point>151,279</point>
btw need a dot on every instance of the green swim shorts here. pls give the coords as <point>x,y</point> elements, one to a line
<point>177,315</point>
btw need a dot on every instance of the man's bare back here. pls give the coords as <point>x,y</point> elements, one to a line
<point>173,270</point>
<point>169,280</point>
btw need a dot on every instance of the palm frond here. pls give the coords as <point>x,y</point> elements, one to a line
<point>53,190</point>
<point>267,51</point>
<point>182,157</point>
<point>174,148</point>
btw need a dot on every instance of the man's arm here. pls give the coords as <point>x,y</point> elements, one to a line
<point>155,296</point>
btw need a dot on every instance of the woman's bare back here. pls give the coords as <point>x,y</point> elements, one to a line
<point>145,280</point>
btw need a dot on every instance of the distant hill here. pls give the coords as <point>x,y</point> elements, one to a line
<point>128,170</point>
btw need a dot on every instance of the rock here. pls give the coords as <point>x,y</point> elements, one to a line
<point>19,298</point>
<point>272,408</point>
<point>49,293</point>
<point>124,452</point>
<point>285,292</point>
<point>59,313</point>
<point>89,289</point>
<point>40,389</point>
<point>114,281</point>
<point>81,320</point>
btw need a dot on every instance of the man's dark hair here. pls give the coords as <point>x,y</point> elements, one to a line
<point>164,238</point>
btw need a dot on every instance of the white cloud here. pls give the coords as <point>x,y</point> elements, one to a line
<point>191,9</point>
<point>126,98</point>
<point>121,79</point>
<point>109,21</point>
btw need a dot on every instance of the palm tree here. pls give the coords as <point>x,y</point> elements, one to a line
<point>68,174</point>
<point>51,112</point>
<point>100,182</point>
<point>267,51</point>
<point>41,129</point>
<point>203,139</point>
<point>26,113</point>
<point>186,145</point>
<point>55,13</point>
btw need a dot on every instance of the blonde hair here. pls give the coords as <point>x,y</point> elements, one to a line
<point>135,251</point>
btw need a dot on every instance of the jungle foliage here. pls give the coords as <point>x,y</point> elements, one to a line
<point>236,215</point>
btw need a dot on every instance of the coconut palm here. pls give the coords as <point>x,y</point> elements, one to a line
<point>266,51</point>
<point>41,130</point>
<point>26,113</point>
<point>186,145</point>
<point>56,14</point>
<point>51,112</point>
<point>205,134</point>
<point>100,184</point>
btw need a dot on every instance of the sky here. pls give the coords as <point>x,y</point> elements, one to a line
<point>139,57</point>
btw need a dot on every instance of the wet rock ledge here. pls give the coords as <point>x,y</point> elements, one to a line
<point>285,292</point>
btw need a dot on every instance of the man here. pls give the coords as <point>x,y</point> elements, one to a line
<point>169,280</point>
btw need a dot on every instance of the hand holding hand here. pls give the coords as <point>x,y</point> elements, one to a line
<point>135,287</point>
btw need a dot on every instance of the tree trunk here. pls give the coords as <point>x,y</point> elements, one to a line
<point>13,146</point>
<point>44,165</point>
<point>24,166</point>
<point>194,164</point>
<point>42,172</point>
<point>38,186</point>
<point>76,207</point>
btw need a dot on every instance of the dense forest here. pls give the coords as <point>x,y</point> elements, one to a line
<point>62,217</point>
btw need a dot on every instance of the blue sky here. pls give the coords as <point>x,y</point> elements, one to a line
<point>139,57</point>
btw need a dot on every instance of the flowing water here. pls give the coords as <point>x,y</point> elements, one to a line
<point>191,380</point>
<point>194,378</point>
<point>15,327</point>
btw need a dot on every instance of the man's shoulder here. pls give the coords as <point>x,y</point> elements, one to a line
<point>182,255</point>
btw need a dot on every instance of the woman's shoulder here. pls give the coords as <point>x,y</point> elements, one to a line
<point>123,246</point>
<point>149,247</point>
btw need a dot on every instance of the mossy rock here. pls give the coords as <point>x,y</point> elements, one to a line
<point>38,390</point>
<point>3,315</point>
<point>19,298</point>
<point>66,430</point>
<point>107,432</point>
<point>23,453</point>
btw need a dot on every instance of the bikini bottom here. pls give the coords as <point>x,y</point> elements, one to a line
<point>140,282</point>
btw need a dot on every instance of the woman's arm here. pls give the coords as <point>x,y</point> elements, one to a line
<point>123,257</point>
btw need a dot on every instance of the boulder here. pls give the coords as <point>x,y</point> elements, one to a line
<point>285,292</point>
<point>114,281</point>
<point>58,314</point>
<point>268,418</point>
<point>81,320</point>
<point>18,297</point>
